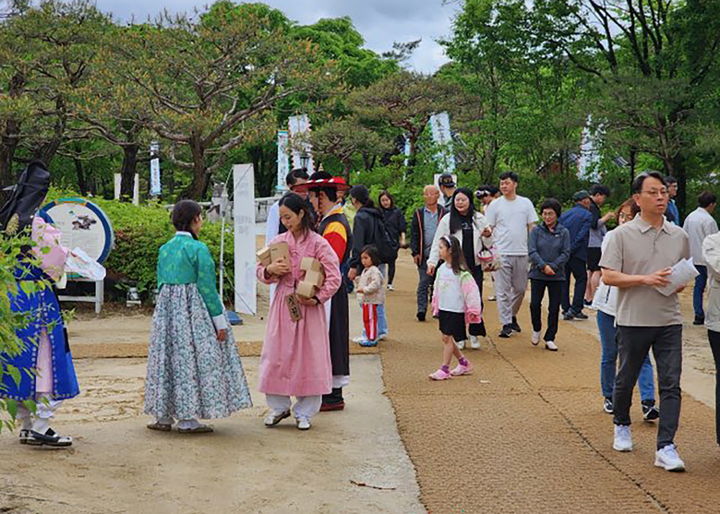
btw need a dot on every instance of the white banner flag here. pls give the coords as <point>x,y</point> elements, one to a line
<point>441,135</point>
<point>302,152</point>
<point>283,162</point>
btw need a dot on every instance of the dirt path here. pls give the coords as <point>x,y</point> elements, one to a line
<point>351,461</point>
<point>526,432</point>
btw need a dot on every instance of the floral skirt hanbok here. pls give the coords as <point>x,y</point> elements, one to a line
<point>190,374</point>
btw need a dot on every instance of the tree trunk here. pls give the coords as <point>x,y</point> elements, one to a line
<point>633,158</point>
<point>10,134</point>
<point>128,171</point>
<point>47,151</point>
<point>201,178</point>
<point>8,145</point>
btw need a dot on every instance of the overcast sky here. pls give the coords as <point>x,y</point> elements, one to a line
<point>379,21</point>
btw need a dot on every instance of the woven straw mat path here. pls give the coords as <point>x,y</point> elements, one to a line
<point>525,432</point>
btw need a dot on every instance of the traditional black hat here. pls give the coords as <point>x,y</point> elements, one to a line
<point>26,196</point>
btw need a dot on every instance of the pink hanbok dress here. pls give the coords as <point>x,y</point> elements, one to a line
<point>295,359</point>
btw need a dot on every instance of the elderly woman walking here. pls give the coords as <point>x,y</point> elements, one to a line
<point>549,250</point>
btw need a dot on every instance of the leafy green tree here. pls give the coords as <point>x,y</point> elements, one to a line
<point>45,54</point>
<point>655,59</point>
<point>404,102</point>
<point>212,85</point>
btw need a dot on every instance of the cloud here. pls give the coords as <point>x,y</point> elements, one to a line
<point>381,22</point>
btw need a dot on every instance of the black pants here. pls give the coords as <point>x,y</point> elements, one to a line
<point>715,346</point>
<point>634,343</point>
<point>478,329</point>
<point>391,271</point>
<point>537,292</point>
<point>578,269</point>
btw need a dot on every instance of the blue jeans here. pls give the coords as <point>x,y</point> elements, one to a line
<point>698,290</point>
<point>608,361</point>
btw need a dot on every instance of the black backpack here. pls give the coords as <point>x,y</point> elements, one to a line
<point>387,248</point>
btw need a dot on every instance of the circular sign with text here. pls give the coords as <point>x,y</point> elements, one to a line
<point>83,225</point>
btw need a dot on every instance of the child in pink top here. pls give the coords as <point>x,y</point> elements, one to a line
<point>456,302</point>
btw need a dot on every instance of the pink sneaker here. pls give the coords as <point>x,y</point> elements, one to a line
<point>462,370</point>
<point>440,375</point>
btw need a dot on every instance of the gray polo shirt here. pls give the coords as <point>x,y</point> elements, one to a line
<point>637,248</point>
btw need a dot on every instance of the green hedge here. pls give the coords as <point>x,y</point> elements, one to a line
<point>140,231</point>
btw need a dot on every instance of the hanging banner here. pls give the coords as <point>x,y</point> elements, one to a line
<point>244,224</point>
<point>441,135</point>
<point>302,149</point>
<point>283,162</point>
<point>589,151</point>
<point>155,187</point>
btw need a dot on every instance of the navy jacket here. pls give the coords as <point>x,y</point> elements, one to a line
<point>578,221</point>
<point>548,248</point>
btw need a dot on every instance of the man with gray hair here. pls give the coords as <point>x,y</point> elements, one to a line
<point>422,232</point>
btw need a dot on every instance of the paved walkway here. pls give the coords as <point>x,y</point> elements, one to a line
<point>526,432</point>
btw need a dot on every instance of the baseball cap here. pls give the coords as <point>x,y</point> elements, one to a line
<point>580,195</point>
<point>446,180</point>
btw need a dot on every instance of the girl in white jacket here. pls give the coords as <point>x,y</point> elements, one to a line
<point>472,230</point>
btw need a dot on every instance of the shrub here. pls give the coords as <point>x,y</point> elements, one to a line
<point>140,231</point>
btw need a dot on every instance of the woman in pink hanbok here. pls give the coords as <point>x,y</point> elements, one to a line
<point>295,359</point>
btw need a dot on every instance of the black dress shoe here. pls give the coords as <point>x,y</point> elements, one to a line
<point>420,316</point>
<point>506,332</point>
<point>580,315</point>
<point>698,321</point>
<point>514,325</point>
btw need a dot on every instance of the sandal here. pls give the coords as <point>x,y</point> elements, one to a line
<point>162,427</point>
<point>49,438</point>
<point>201,429</point>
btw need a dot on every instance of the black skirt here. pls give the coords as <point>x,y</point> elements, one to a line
<point>453,324</point>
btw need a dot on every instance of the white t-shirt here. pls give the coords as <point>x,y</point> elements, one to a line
<point>450,294</point>
<point>510,220</point>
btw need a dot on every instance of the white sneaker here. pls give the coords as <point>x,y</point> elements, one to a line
<point>390,287</point>
<point>382,337</point>
<point>623,439</point>
<point>460,345</point>
<point>550,345</point>
<point>474,343</point>
<point>535,338</point>
<point>358,339</point>
<point>302,423</point>
<point>669,459</point>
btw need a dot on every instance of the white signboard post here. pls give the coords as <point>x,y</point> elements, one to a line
<point>283,162</point>
<point>244,222</point>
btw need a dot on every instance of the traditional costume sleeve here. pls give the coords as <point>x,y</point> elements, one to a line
<point>207,288</point>
<point>337,236</point>
<point>331,266</point>
<point>48,250</point>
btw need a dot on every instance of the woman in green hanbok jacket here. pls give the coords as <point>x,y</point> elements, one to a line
<point>194,371</point>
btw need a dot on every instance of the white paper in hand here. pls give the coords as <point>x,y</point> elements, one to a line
<point>81,263</point>
<point>682,273</point>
